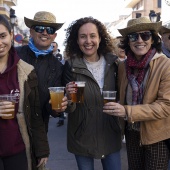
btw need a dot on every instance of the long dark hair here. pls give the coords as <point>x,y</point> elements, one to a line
<point>5,23</point>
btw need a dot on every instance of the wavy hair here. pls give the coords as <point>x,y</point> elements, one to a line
<point>72,48</point>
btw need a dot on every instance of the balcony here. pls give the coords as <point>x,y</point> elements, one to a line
<point>10,2</point>
<point>4,10</point>
<point>130,3</point>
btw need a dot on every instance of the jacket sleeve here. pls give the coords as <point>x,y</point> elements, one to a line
<point>38,134</point>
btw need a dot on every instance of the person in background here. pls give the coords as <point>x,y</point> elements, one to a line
<point>25,41</point>
<point>23,140</point>
<point>91,133</point>
<point>144,83</point>
<point>39,53</point>
<point>56,51</point>
<point>165,36</point>
<point>119,51</point>
<point>59,57</point>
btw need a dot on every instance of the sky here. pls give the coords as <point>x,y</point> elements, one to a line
<point>67,11</point>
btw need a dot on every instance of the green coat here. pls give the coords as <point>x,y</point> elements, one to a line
<point>90,131</point>
<point>29,116</point>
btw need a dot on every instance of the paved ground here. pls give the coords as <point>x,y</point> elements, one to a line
<point>60,158</point>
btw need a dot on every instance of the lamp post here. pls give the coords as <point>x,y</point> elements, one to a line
<point>13,21</point>
<point>154,17</point>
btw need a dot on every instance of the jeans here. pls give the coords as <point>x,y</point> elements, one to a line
<point>110,162</point>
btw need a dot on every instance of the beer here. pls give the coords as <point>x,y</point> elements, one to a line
<point>56,95</point>
<point>11,112</point>
<point>109,99</point>
<point>109,96</point>
<point>78,97</point>
<point>56,99</point>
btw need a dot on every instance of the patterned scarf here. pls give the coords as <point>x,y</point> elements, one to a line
<point>37,51</point>
<point>136,72</point>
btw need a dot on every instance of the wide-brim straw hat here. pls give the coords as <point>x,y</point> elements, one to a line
<point>140,24</point>
<point>164,29</point>
<point>43,18</point>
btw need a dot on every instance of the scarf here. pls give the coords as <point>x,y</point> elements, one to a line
<point>135,71</point>
<point>37,51</point>
<point>165,51</point>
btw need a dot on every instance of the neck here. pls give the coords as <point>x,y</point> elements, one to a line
<point>92,58</point>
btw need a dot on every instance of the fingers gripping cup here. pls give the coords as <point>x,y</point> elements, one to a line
<point>109,96</point>
<point>56,95</point>
<point>78,97</point>
<point>12,98</point>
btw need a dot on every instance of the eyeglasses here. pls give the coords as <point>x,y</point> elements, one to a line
<point>40,29</point>
<point>144,35</point>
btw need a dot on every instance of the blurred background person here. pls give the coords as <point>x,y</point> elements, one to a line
<point>56,51</point>
<point>144,84</point>
<point>91,133</point>
<point>39,53</point>
<point>25,41</point>
<point>165,36</point>
<point>23,140</point>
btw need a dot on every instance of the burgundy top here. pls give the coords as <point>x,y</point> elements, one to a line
<point>11,141</point>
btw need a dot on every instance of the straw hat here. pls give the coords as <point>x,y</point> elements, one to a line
<point>140,24</point>
<point>164,29</point>
<point>43,18</point>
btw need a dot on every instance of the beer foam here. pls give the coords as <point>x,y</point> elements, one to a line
<point>80,84</point>
<point>110,98</point>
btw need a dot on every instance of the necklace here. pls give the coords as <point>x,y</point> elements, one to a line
<point>3,68</point>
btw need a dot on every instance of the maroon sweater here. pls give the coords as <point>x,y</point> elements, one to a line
<point>10,137</point>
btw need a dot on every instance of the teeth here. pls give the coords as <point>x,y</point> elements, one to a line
<point>44,38</point>
<point>88,47</point>
<point>1,49</point>
<point>140,46</point>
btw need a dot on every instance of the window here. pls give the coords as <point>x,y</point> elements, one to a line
<point>159,3</point>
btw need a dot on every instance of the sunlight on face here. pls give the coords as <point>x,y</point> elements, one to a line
<point>88,40</point>
<point>140,47</point>
<point>5,41</point>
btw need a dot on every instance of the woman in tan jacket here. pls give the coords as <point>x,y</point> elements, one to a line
<point>144,103</point>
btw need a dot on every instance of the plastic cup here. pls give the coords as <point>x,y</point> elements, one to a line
<point>12,98</point>
<point>56,95</point>
<point>78,97</point>
<point>109,96</point>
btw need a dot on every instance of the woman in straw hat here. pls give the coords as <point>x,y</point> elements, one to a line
<point>144,83</point>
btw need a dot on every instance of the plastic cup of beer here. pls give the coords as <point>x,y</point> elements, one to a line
<point>56,95</point>
<point>78,97</point>
<point>12,98</point>
<point>109,96</point>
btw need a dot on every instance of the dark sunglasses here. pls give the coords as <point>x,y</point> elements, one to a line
<point>40,29</point>
<point>144,35</point>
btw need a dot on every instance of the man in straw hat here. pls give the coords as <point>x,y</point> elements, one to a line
<point>144,94</point>
<point>39,53</point>
<point>165,35</point>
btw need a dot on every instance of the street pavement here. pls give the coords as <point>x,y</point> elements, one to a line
<point>60,158</point>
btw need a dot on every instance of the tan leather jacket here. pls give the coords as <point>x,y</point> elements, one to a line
<point>154,113</point>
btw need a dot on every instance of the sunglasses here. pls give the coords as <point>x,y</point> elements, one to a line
<point>40,29</point>
<point>135,36</point>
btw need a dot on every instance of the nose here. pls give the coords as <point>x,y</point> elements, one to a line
<point>88,39</point>
<point>44,32</point>
<point>139,38</point>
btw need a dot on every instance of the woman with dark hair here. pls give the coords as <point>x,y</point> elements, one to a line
<point>91,133</point>
<point>144,83</point>
<point>23,140</point>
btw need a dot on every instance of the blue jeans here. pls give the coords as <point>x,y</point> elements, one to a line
<point>110,162</point>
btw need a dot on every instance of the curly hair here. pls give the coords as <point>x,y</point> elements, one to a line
<point>156,42</point>
<point>72,47</point>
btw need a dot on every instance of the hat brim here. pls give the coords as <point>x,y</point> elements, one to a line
<point>140,27</point>
<point>164,30</point>
<point>29,23</point>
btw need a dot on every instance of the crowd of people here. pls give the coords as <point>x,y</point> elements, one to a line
<point>135,65</point>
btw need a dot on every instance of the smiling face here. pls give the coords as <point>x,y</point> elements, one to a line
<point>140,47</point>
<point>88,41</point>
<point>5,41</point>
<point>42,40</point>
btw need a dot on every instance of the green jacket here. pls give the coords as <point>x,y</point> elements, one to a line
<point>90,131</point>
<point>29,116</point>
